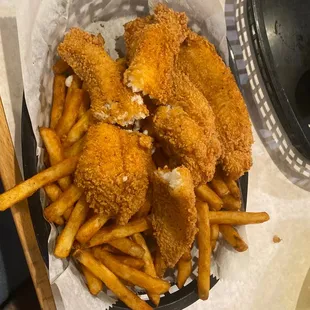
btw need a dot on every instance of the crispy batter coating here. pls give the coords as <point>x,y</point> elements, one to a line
<point>152,45</point>
<point>114,170</point>
<point>205,68</point>
<point>185,142</point>
<point>111,100</point>
<point>187,96</point>
<point>174,214</point>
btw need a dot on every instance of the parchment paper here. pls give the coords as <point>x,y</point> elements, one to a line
<point>41,27</point>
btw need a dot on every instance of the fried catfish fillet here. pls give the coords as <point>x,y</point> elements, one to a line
<point>205,68</point>
<point>152,45</point>
<point>186,143</point>
<point>111,100</point>
<point>114,170</point>
<point>173,214</point>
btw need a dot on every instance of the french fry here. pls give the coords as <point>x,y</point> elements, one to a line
<point>76,148</point>
<point>159,264</point>
<point>231,203</point>
<point>237,218</point>
<point>55,151</point>
<point>78,129</point>
<point>113,232</point>
<point>59,97</point>
<point>85,104</point>
<point>214,234</point>
<point>110,249</point>
<point>204,245</point>
<point>30,186</point>
<point>65,201</point>
<point>124,259</point>
<point>219,186</point>
<point>149,267</point>
<point>111,281</point>
<point>134,276</point>
<point>91,227</point>
<point>205,193</point>
<point>52,191</point>
<point>231,235</point>
<point>184,269</point>
<point>76,83</point>
<point>233,187</point>
<point>128,246</point>
<point>94,284</point>
<point>70,112</point>
<point>65,239</point>
<point>68,212</point>
<point>60,66</point>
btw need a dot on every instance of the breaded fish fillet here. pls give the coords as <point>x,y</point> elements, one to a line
<point>111,100</point>
<point>173,214</point>
<point>152,44</point>
<point>205,68</point>
<point>185,142</point>
<point>114,170</point>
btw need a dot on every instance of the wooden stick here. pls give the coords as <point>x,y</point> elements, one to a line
<point>10,176</point>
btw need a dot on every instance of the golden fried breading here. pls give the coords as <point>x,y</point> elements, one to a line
<point>113,170</point>
<point>173,214</point>
<point>187,96</point>
<point>111,101</point>
<point>185,142</point>
<point>205,68</point>
<point>152,45</point>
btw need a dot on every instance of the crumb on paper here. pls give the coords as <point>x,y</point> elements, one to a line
<point>276,239</point>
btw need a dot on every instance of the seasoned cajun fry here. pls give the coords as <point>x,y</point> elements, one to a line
<point>128,246</point>
<point>55,151</point>
<point>214,234</point>
<point>70,112</point>
<point>159,264</point>
<point>233,187</point>
<point>94,284</point>
<point>237,218</point>
<point>184,269</point>
<point>76,148</point>
<point>85,105</point>
<point>124,259</point>
<point>52,191</point>
<point>219,186</point>
<point>231,235</point>
<point>59,97</point>
<point>65,239</point>
<point>113,232</point>
<point>149,267</point>
<point>205,193</point>
<point>111,281</point>
<point>65,201</point>
<point>78,129</point>
<point>30,186</point>
<point>68,212</point>
<point>110,249</point>
<point>231,204</point>
<point>134,276</point>
<point>60,66</point>
<point>91,227</point>
<point>204,245</point>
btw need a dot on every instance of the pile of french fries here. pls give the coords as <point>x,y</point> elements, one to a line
<point>119,257</point>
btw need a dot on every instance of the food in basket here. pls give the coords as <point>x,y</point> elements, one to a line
<point>144,153</point>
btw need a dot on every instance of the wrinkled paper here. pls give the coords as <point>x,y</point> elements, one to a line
<point>41,27</point>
